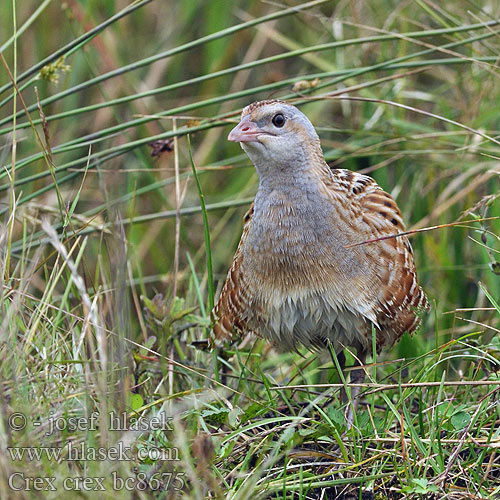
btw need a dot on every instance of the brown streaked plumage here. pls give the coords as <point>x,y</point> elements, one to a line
<point>296,279</point>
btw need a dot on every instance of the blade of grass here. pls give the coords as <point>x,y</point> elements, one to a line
<point>177,50</point>
<point>73,46</point>
<point>19,31</point>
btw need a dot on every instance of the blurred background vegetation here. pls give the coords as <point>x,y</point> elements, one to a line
<point>95,144</point>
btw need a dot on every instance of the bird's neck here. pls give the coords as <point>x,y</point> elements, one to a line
<point>291,213</point>
<point>297,187</point>
<point>307,171</point>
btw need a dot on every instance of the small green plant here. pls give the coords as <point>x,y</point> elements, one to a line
<point>52,72</point>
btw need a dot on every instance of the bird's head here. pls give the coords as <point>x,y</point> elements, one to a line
<point>275,133</point>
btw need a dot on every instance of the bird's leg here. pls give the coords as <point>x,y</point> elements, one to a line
<point>341,361</point>
<point>357,377</point>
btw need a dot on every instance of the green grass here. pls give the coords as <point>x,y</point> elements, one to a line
<point>107,253</point>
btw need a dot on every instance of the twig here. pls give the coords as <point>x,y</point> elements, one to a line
<point>441,478</point>
<point>422,230</point>
<point>384,387</point>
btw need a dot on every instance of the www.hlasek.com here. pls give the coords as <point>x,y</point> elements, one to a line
<point>81,451</point>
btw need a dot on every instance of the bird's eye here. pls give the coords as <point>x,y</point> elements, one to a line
<point>278,120</point>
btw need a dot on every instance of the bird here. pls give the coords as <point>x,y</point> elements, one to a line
<point>303,273</point>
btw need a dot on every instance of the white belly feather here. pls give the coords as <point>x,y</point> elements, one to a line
<point>308,320</point>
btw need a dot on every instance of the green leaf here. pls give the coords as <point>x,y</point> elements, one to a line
<point>177,307</point>
<point>253,410</point>
<point>156,306</point>
<point>460,420</point>
<point>336,416</point>
<point>149,342</point>
<point>135,401</point>
<point>234,417</point>
<point>363,419</point>
<point>420,486</point>
<point>216,416</point>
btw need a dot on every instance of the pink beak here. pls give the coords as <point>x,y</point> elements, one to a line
<point>245,131</point>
